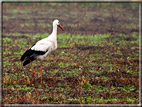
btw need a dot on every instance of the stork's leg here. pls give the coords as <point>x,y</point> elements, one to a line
<point>41,71</point>
<point>32,67</point>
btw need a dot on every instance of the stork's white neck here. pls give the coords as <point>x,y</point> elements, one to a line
<point>54,32</point>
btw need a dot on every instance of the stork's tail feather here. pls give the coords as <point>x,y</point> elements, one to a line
<point>28,61</point>
<point>24,56</point>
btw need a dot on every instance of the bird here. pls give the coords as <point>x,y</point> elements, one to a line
<point>41,49</point>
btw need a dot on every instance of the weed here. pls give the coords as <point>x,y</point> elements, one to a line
<point>87,85</point>
<point>87,60</point>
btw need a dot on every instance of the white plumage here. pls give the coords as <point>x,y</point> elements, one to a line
<point>42,48</point>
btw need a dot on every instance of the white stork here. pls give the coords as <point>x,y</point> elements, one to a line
<point>42,48</point>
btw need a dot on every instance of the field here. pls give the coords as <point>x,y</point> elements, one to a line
<point>97,60</point>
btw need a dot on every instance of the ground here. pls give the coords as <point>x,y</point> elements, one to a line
<point>97,60</point>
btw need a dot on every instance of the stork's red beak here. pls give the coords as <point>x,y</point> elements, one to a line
<point>61,27</point>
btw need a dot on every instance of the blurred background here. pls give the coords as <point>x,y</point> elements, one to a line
<point>76,18</point>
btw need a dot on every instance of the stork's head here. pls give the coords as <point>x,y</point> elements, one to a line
<point>56,23</point>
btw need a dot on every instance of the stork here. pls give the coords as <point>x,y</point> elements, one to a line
<point>41,49</point>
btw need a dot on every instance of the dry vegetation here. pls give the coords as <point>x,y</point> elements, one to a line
<point>97,60</point>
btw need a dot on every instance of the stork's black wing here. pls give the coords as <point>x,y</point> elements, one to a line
<point>31,55</point>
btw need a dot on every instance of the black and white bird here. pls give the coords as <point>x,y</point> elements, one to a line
<point>41,49</point>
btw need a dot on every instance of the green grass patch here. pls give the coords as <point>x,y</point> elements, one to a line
<point>69,63</point>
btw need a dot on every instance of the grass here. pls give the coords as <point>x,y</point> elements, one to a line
<point>27,25</point>
<point>133,5</point>
<point>93,68</point>
<point>44,25</point>
<point>14,11</point>
<point>80,40</point>
<point>68,59</point>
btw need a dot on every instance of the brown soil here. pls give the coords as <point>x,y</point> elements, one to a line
<point>110,20</point>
